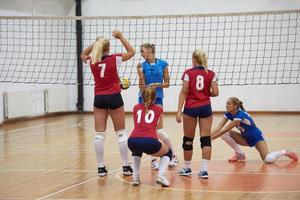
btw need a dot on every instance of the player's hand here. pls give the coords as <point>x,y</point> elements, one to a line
<point>117,34</point>
<point>179,117</point>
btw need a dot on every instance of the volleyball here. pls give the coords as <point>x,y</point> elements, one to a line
<point>124,83</point>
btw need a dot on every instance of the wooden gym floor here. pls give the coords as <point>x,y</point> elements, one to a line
<point>53,158</point>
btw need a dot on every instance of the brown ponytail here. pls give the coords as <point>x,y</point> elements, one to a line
<point>237,102</point>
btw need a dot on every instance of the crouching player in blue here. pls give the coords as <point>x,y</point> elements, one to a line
<point>249,134</point>
<point>143,138</point>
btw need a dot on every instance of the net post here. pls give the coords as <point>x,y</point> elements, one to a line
<point>79,62</point>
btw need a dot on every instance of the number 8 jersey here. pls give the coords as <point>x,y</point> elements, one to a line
<point>199,86</point>
<point>145,120</point>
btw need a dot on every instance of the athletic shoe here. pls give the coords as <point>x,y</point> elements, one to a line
<point>102,171</point>
<point>127,170</point>
<point>154,164</point>
<point>174,161</point>
<point>291,155</point>
<point>136,181</point>
<point>203,174</point>
<point>237,157</point>
<point>185,172</point>
<point>162,181</point>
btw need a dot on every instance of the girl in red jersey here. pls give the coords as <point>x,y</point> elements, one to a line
<point>199,84</point>
<point>108,99</point>
<point>143,138</point>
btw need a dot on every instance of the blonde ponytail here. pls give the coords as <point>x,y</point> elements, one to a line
<point>97,52</point>
<point>100,46</point>
<point>200,57</point>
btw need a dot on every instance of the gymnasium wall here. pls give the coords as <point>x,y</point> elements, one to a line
<point>255,98</point>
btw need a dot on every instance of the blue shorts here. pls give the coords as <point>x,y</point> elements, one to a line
<point>157,101</point>
<point>144,145</point>
<point>201,112</point>
<point>253,139</point>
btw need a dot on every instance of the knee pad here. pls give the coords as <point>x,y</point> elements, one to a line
<point>137,154</point>
<point>122,136</point>
<point>100,136</point>
<point>162,134</point>
<point>169,154</point>
<point>205,141</point>
<point>269,158</point>
<point>187,144</point>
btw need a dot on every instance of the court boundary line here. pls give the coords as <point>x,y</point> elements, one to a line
<point>204,191</point>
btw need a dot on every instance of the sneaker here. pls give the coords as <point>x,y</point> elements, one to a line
<point>237,157</point>
<point>154,164</point>
<point>136,181</point>
<point>127,170</point>
<point>291,155</point>
<point>162,181</point>
<point>102,171</point>
<point>174,161</point>
<point>203,174</point>
<point>185,172</point>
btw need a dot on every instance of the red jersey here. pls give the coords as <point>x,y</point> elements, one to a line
<point>145,123</point>
<point>106,76</point>
<point>199,86</point>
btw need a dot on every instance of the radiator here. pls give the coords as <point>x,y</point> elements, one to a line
<point>17,104</point>
<point>56,100</point>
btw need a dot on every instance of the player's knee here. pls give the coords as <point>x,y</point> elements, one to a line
<point>187,143</point>
<point>122,136</point>
<point>162,134</point>
<point>205,141</point>
<point>169,154</point>
<point>99,136</point>
<point>269,159</point>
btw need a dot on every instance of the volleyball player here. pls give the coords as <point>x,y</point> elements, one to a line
<point>143,138</point>
<point>249,134</point>
<point>155,72</point>
<point>198,85</point>
<point>108,99</point>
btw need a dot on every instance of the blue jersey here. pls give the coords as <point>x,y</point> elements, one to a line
<point>154,73</point>
<point>247,126</point>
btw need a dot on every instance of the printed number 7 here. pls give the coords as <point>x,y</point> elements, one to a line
<point>102,65</point>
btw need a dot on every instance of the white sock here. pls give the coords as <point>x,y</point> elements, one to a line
<point>273,156</point>
<point>163,165</point>
<point>231,142</point>
<point>164,136</point>
<point>188,164</point>
<point>122,139</point>
<point>169,144</point>
<point>136,166</point>
<point>99,147</point>
<point>204,165</point>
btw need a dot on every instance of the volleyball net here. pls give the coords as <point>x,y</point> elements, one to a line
<point>243,48</point>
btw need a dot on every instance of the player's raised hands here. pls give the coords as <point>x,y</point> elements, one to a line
<point>117,34</point>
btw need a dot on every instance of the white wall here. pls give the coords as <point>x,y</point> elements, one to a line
<point>258,98</point>
<point>37,8</point>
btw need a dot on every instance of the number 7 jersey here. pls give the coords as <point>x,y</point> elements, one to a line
<point>199,86</point>
<point>145,120</point>
<point>106,75</point>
